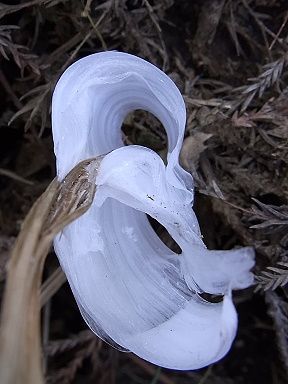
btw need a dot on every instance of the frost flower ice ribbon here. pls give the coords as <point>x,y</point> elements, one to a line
<point>131,289</point>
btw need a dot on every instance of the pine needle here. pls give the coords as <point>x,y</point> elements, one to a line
<point>273,277</point>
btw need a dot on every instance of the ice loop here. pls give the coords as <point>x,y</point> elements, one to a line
<point>132,290</point>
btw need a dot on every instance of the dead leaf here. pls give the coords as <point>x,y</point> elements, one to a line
<point>192,148</point>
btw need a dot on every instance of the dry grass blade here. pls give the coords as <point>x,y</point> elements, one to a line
<point>61,203</point>
<point>51,285</point>
<point>14,176</point>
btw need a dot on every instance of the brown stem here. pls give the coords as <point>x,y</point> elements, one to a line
<point>20,341</point>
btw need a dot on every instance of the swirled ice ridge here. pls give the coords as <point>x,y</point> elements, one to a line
<point>132,290</point>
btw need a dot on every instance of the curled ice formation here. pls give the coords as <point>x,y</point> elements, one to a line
<point>131,289</point>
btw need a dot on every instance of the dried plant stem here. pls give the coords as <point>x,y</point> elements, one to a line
<point>20,342</point>
<point>20,348</point>
<point>52,285</point>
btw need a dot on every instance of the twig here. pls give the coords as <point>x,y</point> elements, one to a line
<point>159,32</point>
<point>279,32</point>
<point>96,30</point>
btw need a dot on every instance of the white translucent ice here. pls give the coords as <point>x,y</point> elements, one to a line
<point>131,289</point>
